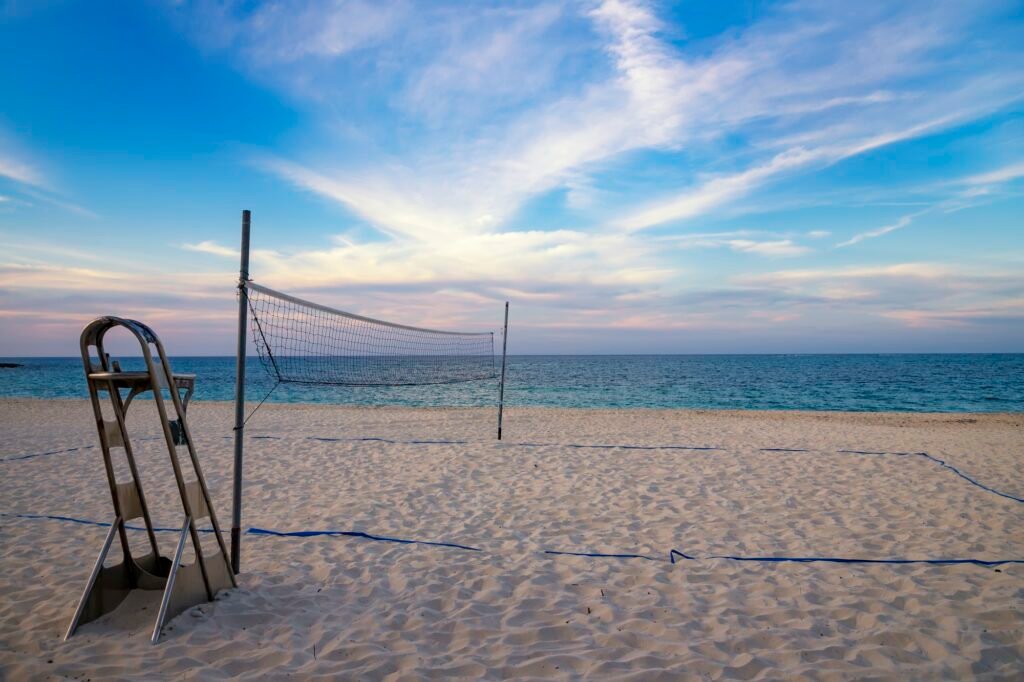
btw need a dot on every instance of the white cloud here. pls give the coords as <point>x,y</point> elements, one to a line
<point>453,119</point>
<point>564,257</point>
<point>275,33</point>
<point>922,271</point>
<point>475,114</point>
<point>722,189</point>
<point>959,316</point>
<point>878,232</point>
<point>20,171</point>
<point>211,247</point>
<point>994,177</point>
<point>716,191</point>
<point>470,175</point>
<point>411,213</point>
<point>781,247</point>
<point>740,241</point>
<point>977,187</point>
<point>914,294</point>
<point>30,180</point>
<point>491,58</point>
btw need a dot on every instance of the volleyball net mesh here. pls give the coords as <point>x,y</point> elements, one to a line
<point>307,343</point>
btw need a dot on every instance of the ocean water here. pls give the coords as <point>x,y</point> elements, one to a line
<point>917,383</point>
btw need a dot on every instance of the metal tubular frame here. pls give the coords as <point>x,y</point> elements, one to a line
<point>501,384</point>
<point>243,311</point>
<point>108,586</point>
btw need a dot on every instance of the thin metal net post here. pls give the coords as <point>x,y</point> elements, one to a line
<point>236,493</point>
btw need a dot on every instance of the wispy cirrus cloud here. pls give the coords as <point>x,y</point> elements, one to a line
<point>587,156</point>
<point>274,34</point>
<point>756,242</point>
<point>18,165</point>
<point>977,186</point>
<point>1002,312</point>
<point>28,179</point>
<point>766,84</point>
<point>716,191</point>
<point>779,247</point>
<point>929,288</point>
<point>211,247</point>
<point>473,116</point>
<point>20,171</point>
<point>552,257</point>
<point>880,231</point>
<point>994,177</point>
<point>495,57</point>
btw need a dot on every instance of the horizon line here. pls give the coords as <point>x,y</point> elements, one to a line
<point>577,355</point>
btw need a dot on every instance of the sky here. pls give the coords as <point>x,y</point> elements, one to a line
<point>634,177</point>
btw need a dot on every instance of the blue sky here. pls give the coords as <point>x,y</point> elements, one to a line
<point>633,176</point>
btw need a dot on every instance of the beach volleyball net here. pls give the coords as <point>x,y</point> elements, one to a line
<point>303,342</point>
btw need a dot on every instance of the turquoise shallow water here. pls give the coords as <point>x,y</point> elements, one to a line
<point>920,383</point>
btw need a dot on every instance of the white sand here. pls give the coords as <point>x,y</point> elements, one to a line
<point>354,608</point>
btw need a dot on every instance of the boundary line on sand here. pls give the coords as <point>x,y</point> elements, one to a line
<point>15,458</point>
<point>254,531</point>
<point>672,553</point>
<point>603,446</point>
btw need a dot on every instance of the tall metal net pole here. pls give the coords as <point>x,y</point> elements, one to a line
<point>501,385</point>
<point>243,309</point>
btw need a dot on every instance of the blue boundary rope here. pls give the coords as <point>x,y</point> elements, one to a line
<point>371,439</point>
<point>842,560</point>
<point>601,555</point>
<point>256,531</point>
<point>674,555</point>
<point>941,463</point>
<point>968,478</point>
<point>88,522</point>
<point>356,534</point>
<point>602,446</point>
<point>15,458</point>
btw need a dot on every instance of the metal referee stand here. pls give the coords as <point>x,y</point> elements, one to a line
<point>183,586</point>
